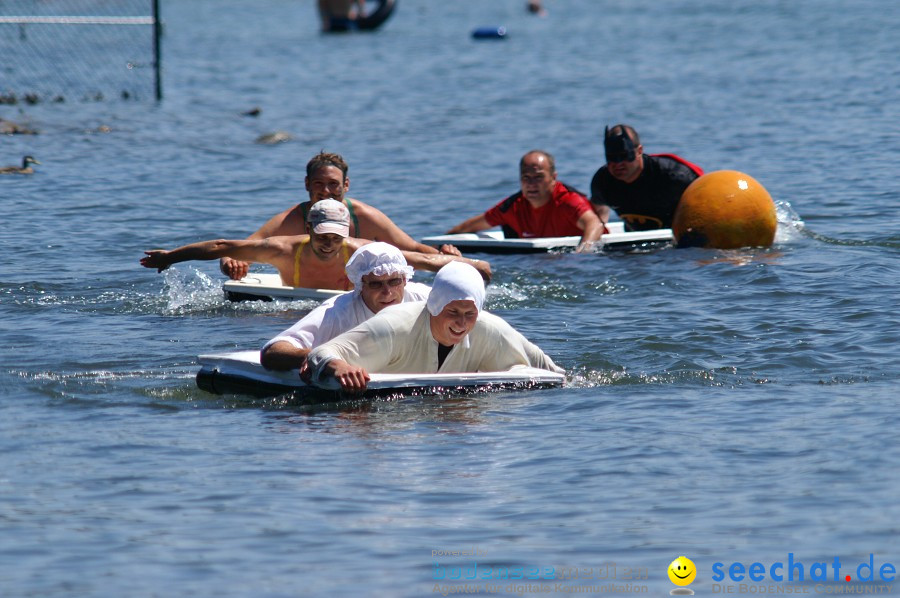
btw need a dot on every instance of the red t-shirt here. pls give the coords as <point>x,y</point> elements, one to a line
<point>558,218</point>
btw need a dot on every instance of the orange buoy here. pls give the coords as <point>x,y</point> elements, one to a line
<point>725,209</point>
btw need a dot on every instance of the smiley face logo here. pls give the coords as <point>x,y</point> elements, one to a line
<point>682,571</point>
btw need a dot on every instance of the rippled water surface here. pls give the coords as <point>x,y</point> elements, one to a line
<point>731,406</point>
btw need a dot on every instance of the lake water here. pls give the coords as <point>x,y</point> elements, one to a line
<point>730,406</point>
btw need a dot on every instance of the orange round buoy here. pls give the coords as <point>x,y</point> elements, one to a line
<point>725,209</point>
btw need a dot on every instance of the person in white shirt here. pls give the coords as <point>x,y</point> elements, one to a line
<point>380,277</point>
<point>448,333</point>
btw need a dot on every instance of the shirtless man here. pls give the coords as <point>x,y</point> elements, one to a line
<point>315,260</point>
<point>326,178</point>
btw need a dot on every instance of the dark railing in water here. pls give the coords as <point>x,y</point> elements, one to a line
<point>75,50</point>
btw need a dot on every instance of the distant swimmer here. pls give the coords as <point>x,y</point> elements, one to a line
<point>643,189</point>
<point>543,207</point>
<point>448,333</point>
<point>338,15</point>
<point>315,260</point>
<point>326,177</point>
<point>380,277</point>
<point>535,7</point>
<point>347,15</point>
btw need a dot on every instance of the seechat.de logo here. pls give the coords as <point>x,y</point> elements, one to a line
<point>794,570</point>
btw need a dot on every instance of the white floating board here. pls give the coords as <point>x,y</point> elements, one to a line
<point>493,241</point>
<point>266,287</point>
<point>241,373</point>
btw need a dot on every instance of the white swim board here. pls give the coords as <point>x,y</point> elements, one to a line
<point>493,241</point>
<point>266,287</point>
<point>241,373</point>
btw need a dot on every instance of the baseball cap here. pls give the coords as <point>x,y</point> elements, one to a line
<point>329,216</point>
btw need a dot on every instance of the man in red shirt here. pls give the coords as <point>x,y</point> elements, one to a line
<point>544,207</point>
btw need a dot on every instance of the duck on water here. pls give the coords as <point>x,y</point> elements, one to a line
<point>26,168</point>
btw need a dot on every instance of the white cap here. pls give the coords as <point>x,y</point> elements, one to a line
<point>457,281</point>
<point>376,258</point>
<point>329,216</point>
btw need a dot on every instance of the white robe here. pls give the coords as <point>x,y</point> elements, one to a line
<point>398,340</point>
<point>337,315</point>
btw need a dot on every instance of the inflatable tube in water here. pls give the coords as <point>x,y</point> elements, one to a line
<point>374,19</point>
<point>490,33</point>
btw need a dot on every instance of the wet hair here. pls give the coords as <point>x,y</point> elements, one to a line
<point>550,160</point>
<point>323,159</point>
<point>616,130</point>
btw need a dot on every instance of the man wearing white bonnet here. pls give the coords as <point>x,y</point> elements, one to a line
<point>449,334</point>
<point>380,277</point>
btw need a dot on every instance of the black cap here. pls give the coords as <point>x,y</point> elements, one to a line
<point>619,148</point>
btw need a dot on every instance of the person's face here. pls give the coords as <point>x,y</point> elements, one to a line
<point>326,245</point>
<point>537,179</point>
<point>454,322</point>
<point>628,171</point>
<point>378,292</point>
<point>327,182</point>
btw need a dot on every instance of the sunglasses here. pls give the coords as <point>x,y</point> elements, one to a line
<point>374,285</point>
<point>620,157</point>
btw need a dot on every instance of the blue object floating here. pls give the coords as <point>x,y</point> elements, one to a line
<point>498,32</point>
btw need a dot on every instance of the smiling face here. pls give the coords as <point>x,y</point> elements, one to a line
<point>454,322</point>
<point>325,246</point>
<point>327,182</point>
<point>682,571</point>
<point>378,292</point>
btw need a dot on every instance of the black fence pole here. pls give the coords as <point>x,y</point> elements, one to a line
<point>157,33</point>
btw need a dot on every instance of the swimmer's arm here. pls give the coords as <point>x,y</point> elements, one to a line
<point>290,348</point>
<point>378,227</point>
<point>349,357</point>
<point>352,378</point>
<point>472,225</point>
<point>237,269</point>
<point>602,211</point>
<point>264,250</point>
<point>432,262</point>
<point>593,230</point>
<point>283,356</point>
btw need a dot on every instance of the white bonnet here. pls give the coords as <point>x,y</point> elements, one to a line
<point>456,281</point>
<point>378,259</point>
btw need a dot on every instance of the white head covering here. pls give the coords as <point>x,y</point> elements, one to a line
<point>378,259</point>
<point>457,281</point>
